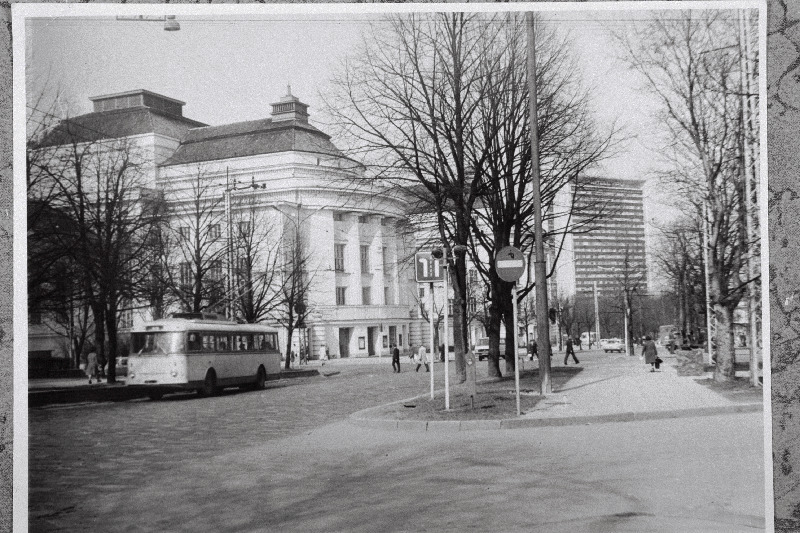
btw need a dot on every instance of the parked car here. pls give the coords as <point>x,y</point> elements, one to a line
<point>482,348</point>
<point>612,345</point>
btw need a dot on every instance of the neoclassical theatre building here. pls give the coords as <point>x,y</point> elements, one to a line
<point>283,175</point>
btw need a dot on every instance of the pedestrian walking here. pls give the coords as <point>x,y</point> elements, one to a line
<point>395,358</point>
<point>422,359</point>
<point>534,350</point>
<point>91,365</point>
<point>650,354</point>
<point>570,351</point>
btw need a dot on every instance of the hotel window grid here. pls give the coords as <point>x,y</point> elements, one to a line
<point>340,295</point>
<point>214,231</point>
<point>187,275</point>
<point>366,295</point>
<point>215,270</point>
<point>338,257</point>
<point>364,259</point>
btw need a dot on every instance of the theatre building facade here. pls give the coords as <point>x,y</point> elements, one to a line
<point>286,178</point>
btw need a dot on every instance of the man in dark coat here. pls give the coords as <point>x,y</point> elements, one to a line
<point>395,358</point>
<point>570,351</point>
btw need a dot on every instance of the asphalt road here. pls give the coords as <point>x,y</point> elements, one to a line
<point>285,459</point>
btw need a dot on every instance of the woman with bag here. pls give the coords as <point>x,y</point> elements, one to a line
<point>650,354</point>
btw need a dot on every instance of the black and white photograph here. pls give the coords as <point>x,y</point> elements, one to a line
<point>313,268</point>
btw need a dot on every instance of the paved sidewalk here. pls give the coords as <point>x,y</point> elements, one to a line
<point>611,388</point>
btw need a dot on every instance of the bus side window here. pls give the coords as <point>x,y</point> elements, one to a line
<point>194,343</point>
<point>222,342</point>
<point>248,342</point>
<point>209,342</point>
<point>258,340</point>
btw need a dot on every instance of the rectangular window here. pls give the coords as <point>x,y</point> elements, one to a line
<point>244,227</point>
<point>187,275</point>
<point>185,232</point>
<point>473,305</point>
<point>365,259</point>
<point>384,255</point>
<point>421,293</point>
<point>338,257</point>
<point>450,306</point>
<point>362,219</point>
<point>366,295</point>
<point>473,275</point>
<point>338,217</point>
<point>214,231</point>
<point>384,222</point>
<point>215,270</point>
<point>387,295</point>
<point>242,266</point>
<point>340,295</point>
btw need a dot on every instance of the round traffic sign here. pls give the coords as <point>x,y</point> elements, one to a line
<point>509,264</point>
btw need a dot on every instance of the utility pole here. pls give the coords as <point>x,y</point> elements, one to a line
<point>540,267</point>
<point>596,316</point>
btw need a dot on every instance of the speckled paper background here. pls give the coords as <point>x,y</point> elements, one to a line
<point>783,119</point>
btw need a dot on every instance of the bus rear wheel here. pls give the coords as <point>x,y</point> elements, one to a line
<point>209,387</point>
<point>155,395</point>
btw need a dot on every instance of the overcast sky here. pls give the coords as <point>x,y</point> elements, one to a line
<point>230,69</point>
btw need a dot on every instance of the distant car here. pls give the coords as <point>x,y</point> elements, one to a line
<point>612,345</point>
<point>482,349</point>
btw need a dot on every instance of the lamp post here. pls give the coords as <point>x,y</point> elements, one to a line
<point>596,315</point>
<point>441,253</point>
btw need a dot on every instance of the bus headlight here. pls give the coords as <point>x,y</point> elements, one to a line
<point>174,373</point>
<point>131,375</point>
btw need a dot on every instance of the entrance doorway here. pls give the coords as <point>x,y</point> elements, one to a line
<point>392,334</point>
<point>344,342</point>
<point>371,341</point>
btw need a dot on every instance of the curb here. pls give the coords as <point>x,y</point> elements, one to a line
<point>119,392</point>
<point>361,419</point>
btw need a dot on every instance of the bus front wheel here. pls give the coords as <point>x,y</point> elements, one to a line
<point>209,384</point>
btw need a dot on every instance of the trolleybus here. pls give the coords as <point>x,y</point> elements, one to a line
<point>201,352</point>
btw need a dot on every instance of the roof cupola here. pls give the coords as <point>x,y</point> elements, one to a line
<point>289,108</point>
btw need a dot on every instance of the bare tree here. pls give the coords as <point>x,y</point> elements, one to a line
<point>692,64</point>
<point>194,267</point>
<point>437,103</point>
<point>293,307</point>
<point>259,270</point>
<point>99,184</point>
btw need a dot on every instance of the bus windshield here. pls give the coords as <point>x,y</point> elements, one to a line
<point>156,343</point>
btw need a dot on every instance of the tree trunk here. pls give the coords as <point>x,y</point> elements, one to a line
<point>111,328</point>
<point>511,349</point>
<point>493,332</point>
<point>724,369</point>
<point>289,333</point>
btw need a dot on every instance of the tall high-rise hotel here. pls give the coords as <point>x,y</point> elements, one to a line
<point>607,246</point>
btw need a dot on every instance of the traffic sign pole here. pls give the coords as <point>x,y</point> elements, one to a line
<point>516,343</point>
<point>433,344</point>
<point>509,265</point>
<point>446,347</point>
